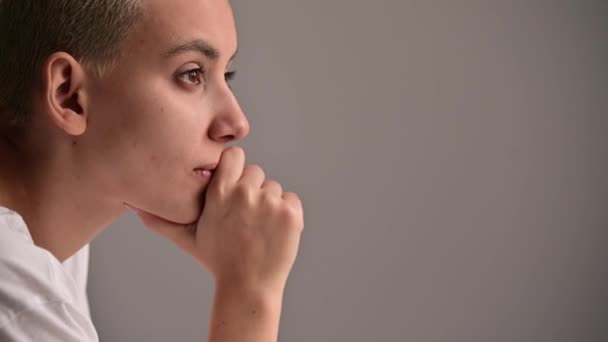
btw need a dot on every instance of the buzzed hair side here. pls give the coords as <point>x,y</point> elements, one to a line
<point>31,30</point>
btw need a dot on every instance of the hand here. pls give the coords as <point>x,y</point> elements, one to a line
<point>249,231</point>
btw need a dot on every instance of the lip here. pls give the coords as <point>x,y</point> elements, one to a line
<point>210,167</point>
<point>205,172</point>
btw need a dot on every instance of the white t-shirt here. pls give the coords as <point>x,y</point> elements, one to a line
<point>41,299</point>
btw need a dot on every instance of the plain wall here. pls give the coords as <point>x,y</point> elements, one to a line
<point>452,158</point>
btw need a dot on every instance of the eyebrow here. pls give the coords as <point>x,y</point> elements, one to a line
<point>197,45</point>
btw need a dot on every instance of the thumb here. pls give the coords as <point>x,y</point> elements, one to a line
<point>183,235</point>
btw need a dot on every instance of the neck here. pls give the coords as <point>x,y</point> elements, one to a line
<point>64,210</point>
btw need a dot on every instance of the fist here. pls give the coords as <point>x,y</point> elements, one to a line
<point>249,231</point>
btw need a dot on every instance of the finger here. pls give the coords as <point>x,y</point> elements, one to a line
<point>253,175</point>
<point>230,167</point>
<point>182,235</point>
<point>293,200</point>
<point>272,187</point>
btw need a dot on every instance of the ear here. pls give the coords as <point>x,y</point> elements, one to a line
<point>65,97</point>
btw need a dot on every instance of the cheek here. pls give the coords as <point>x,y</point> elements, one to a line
<point>150,138</point>
<point>117,139</point>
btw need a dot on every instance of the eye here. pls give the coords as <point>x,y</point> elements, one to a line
<point>229,76</point>
<point>194,76</point>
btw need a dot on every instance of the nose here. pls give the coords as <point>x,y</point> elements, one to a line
<point>230,123</point>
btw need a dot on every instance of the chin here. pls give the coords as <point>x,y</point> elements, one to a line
<point>180,209</point>
<point>188,213</point>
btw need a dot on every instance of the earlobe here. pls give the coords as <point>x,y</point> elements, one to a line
<point>65,93</point>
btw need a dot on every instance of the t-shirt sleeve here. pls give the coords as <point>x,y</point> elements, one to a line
<point>50,322</point>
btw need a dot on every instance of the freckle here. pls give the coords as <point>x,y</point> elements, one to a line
<point>162,110</point>
<point>74,142</point>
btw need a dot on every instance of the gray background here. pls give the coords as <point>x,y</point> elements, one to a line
<point>452,158</point>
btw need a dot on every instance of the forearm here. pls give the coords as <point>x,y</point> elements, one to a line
<point>244,315</point>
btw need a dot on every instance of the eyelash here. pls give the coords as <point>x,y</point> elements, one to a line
<point>229,76</point>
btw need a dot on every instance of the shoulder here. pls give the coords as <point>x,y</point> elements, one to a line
<point>35,287</point>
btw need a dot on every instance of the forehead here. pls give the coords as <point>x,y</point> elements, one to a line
<point>166,23</point>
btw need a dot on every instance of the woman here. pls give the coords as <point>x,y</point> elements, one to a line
<point>114,104</point>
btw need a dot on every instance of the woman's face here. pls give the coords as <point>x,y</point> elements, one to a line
<point>165,108</point>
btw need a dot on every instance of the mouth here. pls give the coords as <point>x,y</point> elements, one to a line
<point>205,172</point>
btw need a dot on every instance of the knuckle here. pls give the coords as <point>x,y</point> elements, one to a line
<point>216,190</point>
<point>294,205</point>
<point>241,189</point>
<point>243,192</point>
<point>268,198</point>
<point>273,184</point>
<point>289,215</point>
<point>293,199</point>
<point>256,169</point>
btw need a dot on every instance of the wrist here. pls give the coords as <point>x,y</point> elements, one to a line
<point>245,313</point>
<point>264,294</point>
